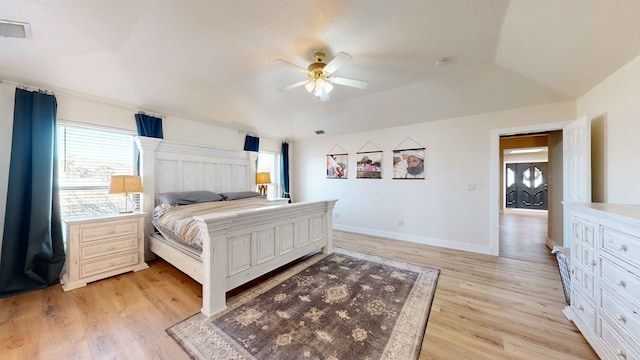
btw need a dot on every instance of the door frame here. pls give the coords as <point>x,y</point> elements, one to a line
<point>494,173</point>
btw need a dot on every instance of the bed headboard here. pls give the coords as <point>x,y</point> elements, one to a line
<point>173,166</point>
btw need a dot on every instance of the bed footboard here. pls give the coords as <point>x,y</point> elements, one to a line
<point>246,244</point>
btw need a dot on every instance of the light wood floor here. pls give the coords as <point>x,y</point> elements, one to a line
<point>485,308</point>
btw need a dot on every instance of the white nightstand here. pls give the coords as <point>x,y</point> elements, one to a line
<point>102,246</point>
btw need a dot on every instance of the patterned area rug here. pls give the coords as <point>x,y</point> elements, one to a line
<point>342,306</point>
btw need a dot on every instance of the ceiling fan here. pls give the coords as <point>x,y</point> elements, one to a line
<point>320,75</point>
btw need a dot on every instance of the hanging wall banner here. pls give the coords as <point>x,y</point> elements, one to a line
<point>337,166</point>
<point>369,165</point>
<point>408,163</point>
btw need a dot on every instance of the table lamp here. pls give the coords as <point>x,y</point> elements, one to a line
<point>262,180</point>
<point>125,184</point>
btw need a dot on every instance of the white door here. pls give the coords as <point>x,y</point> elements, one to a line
<point>576,168</point>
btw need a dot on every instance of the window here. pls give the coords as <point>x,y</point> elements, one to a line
<point>87,157</point>
<point>269,162</point>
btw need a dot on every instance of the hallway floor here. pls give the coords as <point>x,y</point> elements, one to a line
<point>523,235</point>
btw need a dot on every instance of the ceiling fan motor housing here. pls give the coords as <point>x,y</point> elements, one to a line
<point>317,67</point>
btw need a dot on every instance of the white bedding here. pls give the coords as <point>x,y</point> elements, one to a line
<point>179,220</point>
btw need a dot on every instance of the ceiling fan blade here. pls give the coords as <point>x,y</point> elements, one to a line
<point>349,82</point>
<point>340,59</point>
<point>292,65</point>
<point>294,85</point>
<point>324,96</point>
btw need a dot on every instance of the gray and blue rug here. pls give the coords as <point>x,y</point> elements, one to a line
<point>343,306</point>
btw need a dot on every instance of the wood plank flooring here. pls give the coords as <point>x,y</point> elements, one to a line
<point>485,308</point>
<point>523,234</point>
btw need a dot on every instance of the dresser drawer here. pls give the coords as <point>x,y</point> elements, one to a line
<point>96,267</point>
<point>621,244</point>
<point>106,230</point>
<point>619,348</point>
<point>621,318</point>
<point>584,310</point>
<point>619,280</point>
<point>126,243</point>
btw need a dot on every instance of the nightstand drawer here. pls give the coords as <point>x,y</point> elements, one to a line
<point>96,267</point>
<point>105,230</point>
<point>107,248</point>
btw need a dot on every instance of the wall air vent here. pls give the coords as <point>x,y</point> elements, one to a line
<point>15,29</point>
<point>319,132</point>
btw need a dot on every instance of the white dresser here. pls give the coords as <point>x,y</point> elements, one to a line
<point>605,277</point>
<point>102,246</point>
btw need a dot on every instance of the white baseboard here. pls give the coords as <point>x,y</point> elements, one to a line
<point>525,211</point>
<point>550,243</point>
<point>416,239</point>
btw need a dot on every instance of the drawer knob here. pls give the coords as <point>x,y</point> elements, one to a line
<point>623,247</point>
<point>111,247</point>
<point>112,263</point>
<point>593,263</point>
<point>621,353</point>
<point>621,318</point>
<point>580,307</point>
<point>621,283</point>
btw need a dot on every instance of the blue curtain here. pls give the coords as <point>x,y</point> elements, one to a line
<point>251,143</point>
<point>32,244</point>
<point>149,126</point>
<point>284,172</point>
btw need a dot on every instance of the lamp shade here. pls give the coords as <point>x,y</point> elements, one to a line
<point>125,184</point>
<point>263,178</point>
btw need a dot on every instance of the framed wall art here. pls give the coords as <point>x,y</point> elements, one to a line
<point>369,165</point>
<point>337,166</point>
<point>408,163</point>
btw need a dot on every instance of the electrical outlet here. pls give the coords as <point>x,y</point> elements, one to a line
<point>400,222</point>
<point>471,187</point>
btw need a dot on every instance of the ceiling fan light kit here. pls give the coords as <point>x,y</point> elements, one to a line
<point>320,75</point>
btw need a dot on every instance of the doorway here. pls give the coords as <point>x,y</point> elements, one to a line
<point>497,185</point>
<point>524,221</point>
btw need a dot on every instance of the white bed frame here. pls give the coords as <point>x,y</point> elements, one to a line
<point>242,245</point>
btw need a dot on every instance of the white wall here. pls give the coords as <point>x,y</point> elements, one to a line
<point>174,129</point>
<point>438,210</point>
<point>614,107</point>
<point>7,94</point>
<point>85,110</point>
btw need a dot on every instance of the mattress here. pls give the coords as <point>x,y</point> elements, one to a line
<point>177,223</point>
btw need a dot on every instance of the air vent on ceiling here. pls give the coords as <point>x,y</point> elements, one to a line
<point>15,29</point>
<point>319,132</point>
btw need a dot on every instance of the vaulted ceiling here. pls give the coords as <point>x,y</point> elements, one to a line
<point>212,61</point>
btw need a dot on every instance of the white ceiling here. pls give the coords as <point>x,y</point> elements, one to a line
<point>212,61</point>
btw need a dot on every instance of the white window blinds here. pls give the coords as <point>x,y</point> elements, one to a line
<point>87,157</point>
